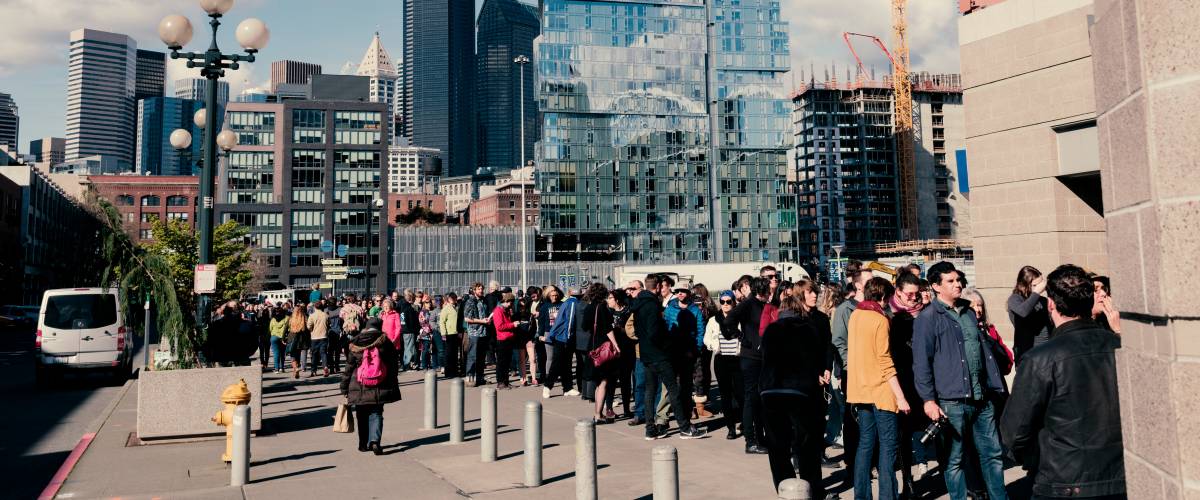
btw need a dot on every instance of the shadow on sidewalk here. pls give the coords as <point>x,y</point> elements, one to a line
<point>297,422</point>
<point>293,474</point>
<point>522,452</point>
<point>468,435</point>
<point>297,456</point>
<point>567,475</point>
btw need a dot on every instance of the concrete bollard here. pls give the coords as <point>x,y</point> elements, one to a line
<point>585,460</point>
<point>795,489</point>
<point>430,400</point>
<point>487,422</point>
<point>665,466</point>
<point>456,410</point>
<point>533,444</point>
<point>239,473</point>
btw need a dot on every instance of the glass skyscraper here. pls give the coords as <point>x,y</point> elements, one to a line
<point>629,165</point>
<point>151,74</point>
<point>157,118</point>
<point>506,30</point>
<point>438,80</point>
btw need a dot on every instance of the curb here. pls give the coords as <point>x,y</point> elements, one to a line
<point>81,447</point>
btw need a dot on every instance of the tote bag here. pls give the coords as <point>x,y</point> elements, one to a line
<point>343,421</point>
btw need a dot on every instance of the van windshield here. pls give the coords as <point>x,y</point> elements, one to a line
<point>79,312</point>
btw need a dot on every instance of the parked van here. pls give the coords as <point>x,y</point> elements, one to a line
<point>82,328</point>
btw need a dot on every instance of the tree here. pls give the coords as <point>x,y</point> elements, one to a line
<point>177,243</point>
<point>418,215</point>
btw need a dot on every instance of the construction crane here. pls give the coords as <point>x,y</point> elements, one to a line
<point>902,86</point>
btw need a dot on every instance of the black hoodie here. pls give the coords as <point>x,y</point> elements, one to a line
<point>648,324</point>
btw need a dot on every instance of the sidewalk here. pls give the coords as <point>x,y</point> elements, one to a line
<point>300,457</point>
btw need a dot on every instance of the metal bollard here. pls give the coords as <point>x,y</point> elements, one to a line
<point>487,422</point>
<point>533,444</point>
<point>239,473</point>
<point>795,489</point>
<point>585,460</point>
<point>430,400</point>
<point>665,466</point>
<point>456,410</point>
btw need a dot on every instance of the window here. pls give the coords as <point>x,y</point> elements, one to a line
<point>362,120</point>
<point>242,160</point>
<point>125,200</point>
<point>302,158</point>
<point>357,179</point>
<point>308,196</point>
<point>308,136</point>
<point>306,240</point>
<point>150,201</point>
<point>146,234</point>
<point>253,128</point>
<point>356,159</point>
<point>308,178</point>
<point>149,218</point>
<point>356,137</point>
<point>354,195</point>
<point>307,218</point>
<point>308,260</point>
<point>183,216</point>
<point>254,220</point>
<point>177,201</point>
<point>308,126</point>
<point>130,217</point>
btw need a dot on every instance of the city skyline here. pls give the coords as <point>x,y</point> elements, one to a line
<point>33,62</point>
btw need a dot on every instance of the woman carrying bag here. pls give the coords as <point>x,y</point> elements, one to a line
<point>370,381</point>
<point>299,339</point>
<point>602,349</point>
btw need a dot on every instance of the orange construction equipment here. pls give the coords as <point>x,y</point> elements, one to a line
<point>904,121</point>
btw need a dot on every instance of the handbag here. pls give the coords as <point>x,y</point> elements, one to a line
<point>343,421</point>
<point>606,352</point>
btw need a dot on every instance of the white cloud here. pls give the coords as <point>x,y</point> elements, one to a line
<point>817,26</point>
<point>245,77</point>
<point>349,68</point>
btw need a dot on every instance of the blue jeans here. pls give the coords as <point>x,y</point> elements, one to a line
<point>430,359</point>
<point>876,426</point>
<point>370,423</point>
<point>277,352</point>
<point>977,419</point>
<point>639,379</point>
<point>410,350</point>
<point>320,354</point>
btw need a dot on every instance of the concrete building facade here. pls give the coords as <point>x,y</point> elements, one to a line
<point>291,72</point>
<point>1147,91</point>
<point>1031,142</point>
<point>143,199</point>
<point>52,150</point>
<point>101,84</point>
<point>413,169</point>
<point>377,65</point>
<point>196,89</point>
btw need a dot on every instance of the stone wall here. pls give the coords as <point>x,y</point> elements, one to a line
<point>1146,56</point>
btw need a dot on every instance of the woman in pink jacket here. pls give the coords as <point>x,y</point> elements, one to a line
<point>506,330</point>
<point>391,323</point>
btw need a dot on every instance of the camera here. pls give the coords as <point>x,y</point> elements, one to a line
<point>932,430</point>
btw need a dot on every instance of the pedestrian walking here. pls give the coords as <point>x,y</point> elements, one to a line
<point>874,391</point>
<point>299,340</point>
<point>279,328</point>
<point>262,327</point>
<point>318,327</point>
<point>598,312</point>
<point>955,375</point>
<point>1028,313</point>
<point>561,324</point>
<point>1063,421</point>
<point>370,389</point>
<point>410,326</point>
<point>333,310</point>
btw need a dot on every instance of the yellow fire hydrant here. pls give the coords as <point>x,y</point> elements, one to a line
<point>232,396</point>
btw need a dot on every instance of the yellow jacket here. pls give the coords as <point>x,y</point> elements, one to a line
<point>870,364</point>
<point>448,320</point>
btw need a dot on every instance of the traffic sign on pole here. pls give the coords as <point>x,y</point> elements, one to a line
<point>205,278</point>
<point>342,250</point>
<point>326,246</point>
<point>333,277</point>
<point>335,269</point>
<point>332,262</point>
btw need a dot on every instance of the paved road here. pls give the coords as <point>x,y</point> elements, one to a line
<point>42,425</point>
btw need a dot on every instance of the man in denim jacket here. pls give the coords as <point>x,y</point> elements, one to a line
<point>955,375</point>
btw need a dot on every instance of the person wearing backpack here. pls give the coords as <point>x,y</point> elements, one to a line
<point>370,381</point>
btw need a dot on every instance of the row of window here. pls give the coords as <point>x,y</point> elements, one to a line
<point>151,200</point>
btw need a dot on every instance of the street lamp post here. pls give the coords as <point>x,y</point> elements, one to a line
<point>521,61</point>
<point>176,31</point>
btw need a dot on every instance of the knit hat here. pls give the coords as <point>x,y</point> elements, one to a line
<point>727,294</point>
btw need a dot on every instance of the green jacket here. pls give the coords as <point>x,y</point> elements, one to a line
<point>279,327</point>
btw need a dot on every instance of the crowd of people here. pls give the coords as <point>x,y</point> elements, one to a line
<point>893,373</point>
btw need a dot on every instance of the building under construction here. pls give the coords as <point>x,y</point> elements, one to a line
<point>847,174</point>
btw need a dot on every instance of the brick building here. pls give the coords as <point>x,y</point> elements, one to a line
<point>399,204</point>
<point>500,205</point>
<point>143,199</point>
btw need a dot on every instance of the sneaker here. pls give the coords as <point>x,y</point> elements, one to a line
<point>652,433</point>
<point>636,421</point>
<point>571,393</point>
<point>545,393</point>
<point>732,434</point>
<point>755,449</point>
<point>692,432</point>
<point>830,464</point>
<point>922,471</point>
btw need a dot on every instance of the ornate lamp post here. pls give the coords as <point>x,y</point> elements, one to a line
<point>176,31</point>
<point>521,61</point>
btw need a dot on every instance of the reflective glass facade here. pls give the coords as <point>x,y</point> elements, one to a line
<point>437,93</point>
<point>506,30</point>
<point>629,167</point>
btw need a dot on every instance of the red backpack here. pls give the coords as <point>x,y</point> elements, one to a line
<point>371,370</point>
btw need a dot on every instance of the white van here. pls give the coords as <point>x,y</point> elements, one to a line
<point>82,328</point>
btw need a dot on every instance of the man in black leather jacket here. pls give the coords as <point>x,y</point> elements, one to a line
<point>1063,420</point>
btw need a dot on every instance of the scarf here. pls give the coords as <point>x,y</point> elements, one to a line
<point>870,305</point>
<point>911,311</point>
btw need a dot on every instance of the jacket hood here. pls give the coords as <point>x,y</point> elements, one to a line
<point>366,339</point>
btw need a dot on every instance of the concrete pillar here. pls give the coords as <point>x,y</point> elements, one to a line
<point>430,400</point>
<point>585,460</point>
<point>456,410</point>
<point>239,471</point>
<point>665,467</point>
<point>1147,64</point>
<point>533,444</point>
<point>795,489</point>
<point>487,424</point>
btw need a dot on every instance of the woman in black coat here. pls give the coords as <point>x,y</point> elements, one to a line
<point>368,401</point>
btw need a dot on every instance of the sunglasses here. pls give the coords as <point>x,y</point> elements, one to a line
<point>726,301</point>
<point>772,276</point>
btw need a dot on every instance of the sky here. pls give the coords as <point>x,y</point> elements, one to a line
<point>336,34</point>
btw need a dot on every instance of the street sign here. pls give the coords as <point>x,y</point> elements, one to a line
<point>326,246</point>
<point>356,271</point>
<point>335,269</point>
<point>325,285</point>
<point>334,277</point>
<point>332,262</point>
<point>566,281</point>
<point>206,278</point>
<point>837,270</point>
<point>342,250</point>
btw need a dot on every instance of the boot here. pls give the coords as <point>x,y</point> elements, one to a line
<point>700,411</point>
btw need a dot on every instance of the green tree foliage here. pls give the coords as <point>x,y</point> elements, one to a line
<point>177,243</point>
<point>420,215</point>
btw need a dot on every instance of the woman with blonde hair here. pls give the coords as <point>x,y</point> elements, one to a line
<point>298,339</point>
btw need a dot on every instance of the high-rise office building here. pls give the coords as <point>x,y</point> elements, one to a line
<point>252,95</point>
<point>438,91</point>
<point>158,117</point>
<point>377,65</point>
<point>101,85</point>
<point>506,30</point>
<point>629,163</point>
<point>10,122</point>
<point>293,72</point>
<point>196,89</point>
<point>413,169</point>
<point>303,172</point>
<point>151,74</point>
<point>52,150</point>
